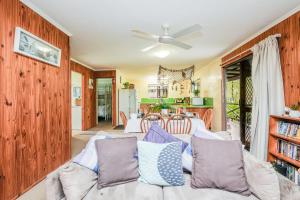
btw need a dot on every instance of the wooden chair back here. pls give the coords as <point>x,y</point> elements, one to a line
<point>123,118</point>
<point>208,117</point>
<point>179,124</point>
<point>179,111</point>
<point>147,121</point>
<point>145,109</point>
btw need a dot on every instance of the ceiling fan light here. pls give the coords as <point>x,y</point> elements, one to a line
<point>162,53</point>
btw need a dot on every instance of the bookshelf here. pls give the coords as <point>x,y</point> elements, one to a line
<point>283,139</point>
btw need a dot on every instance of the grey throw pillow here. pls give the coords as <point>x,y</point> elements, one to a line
<point>219,164</point>
<point>117,160</point>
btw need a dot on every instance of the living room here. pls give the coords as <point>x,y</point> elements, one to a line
<point>149,99</point>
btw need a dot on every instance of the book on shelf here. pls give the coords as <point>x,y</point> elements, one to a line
<point>288,149</point>
<point>289,171</point>
<point>289,129</point>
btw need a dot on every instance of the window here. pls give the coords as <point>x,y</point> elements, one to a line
<point>157,91</point>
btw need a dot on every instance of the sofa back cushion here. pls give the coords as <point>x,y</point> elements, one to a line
<point>160,164</point>
<point>187,157</point>
<point>262,178</point>
<point>118,160</point>
<point>88,156</point>
<point>218,164</point>
<point>76,181</point>
<point>156,134</point>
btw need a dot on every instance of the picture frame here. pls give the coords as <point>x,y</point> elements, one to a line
<point>27,44</point>
<point>91,83</point>
<point>76,92</point>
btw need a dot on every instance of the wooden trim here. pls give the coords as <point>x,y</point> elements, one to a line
<point>110,74</point>
<point>83,102</point>
<point>88,96</point>
<point>223,100</point>
<point>236,58</point>
<point>289,46</point>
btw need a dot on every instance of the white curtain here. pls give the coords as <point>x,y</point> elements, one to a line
<point>268,94</point>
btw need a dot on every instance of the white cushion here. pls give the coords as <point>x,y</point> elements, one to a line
<point>88,156</point>
<point>262,178</point>
<point>77,181</point>
<point>160,164</point>
<point>187,158</point>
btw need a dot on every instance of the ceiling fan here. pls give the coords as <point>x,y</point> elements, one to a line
<point>166,38</point>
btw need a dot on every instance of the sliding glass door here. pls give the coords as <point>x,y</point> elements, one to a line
<point>238,100</point>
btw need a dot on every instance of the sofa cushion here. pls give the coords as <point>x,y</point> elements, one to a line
<point>76,181</point>
<point>117,160</point>
<point>130,191</point>
<point>88,156</point>
<point>160,164</point>
<point>262,178</point>
<point>187,157</point>
<point>218,164</point>
<point>186,192</point>
<point>156,134</point>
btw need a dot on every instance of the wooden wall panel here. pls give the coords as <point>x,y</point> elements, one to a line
<point>1,103</point>
<point>35,104</point>
<point>289,45</point>
<point>89,96</point>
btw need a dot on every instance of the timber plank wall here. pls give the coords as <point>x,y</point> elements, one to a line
<point>35,130</point>
<point>289,45</point>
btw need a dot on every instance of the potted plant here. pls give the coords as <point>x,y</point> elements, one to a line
<point>126,85</point>
<point>164,108</point>
<point>196,92</point>
<point>294,111</point>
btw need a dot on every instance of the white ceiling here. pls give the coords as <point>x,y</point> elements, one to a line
<point>101,36</point>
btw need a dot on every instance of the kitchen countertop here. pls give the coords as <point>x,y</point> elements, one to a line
<point>182,105</point>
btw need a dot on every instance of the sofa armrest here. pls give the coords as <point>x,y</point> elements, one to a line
<point>54,189</point>
<point>288,189</point>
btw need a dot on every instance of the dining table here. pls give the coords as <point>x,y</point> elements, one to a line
<point>134,124</point>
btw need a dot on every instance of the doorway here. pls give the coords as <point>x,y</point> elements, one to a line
<point>238,100</point>
<point>104,102</point>
<point>76,92</point>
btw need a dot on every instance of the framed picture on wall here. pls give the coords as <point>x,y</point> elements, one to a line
<point>32,46</point>
<point>76,92</point>
<point>91,83</point>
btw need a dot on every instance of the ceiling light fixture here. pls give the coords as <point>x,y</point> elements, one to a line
<point>162,53</point>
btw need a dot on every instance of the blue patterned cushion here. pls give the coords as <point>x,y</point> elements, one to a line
<point>160,164</point>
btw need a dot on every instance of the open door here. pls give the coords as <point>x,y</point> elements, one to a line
<point>238,100</point>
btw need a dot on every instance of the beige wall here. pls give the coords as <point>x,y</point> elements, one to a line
<point>210,77</point>
<point>211,86</point>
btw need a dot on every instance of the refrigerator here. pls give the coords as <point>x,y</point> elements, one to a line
<point>127,103</point>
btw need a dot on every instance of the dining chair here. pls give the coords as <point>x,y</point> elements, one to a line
<point>147,121</point>
<point>123,118</point>
<point>179,124</point>
<point>179,111</point>
<point>196,115</point>
<point>207,118</point>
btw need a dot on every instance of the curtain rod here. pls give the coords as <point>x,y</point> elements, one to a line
<point>278,35</point>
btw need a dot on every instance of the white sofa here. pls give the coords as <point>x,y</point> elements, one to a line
<point>85,187</point>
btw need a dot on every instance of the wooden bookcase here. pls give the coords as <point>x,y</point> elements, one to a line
<point>274,136</point>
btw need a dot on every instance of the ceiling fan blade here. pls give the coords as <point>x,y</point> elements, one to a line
<point>150,47</point>
<point>142,33</point>
<point>180,44</point>
<point>187,31</point>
